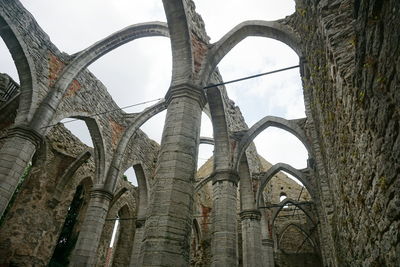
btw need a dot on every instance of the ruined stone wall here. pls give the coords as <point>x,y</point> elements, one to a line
<point>351,87</point>
<point>297,260</point>
<point>281,183</point>
<point>39,191</point>
<point>31,227</point>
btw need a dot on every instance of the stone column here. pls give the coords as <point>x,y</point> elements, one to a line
<point>123,246</point>
<point>250,219</point>
<point>169,223</point>
<point>251,236</point>
<point>267,242</point>
<point>224,220</point>
<point>85,252</point>
<point>137,242</point>
<point>15,154</point>
<point>268,252</point>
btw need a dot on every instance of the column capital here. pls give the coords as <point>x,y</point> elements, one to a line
<point>25,132</point>
<point>225,175</point>
<point>139,223</point>
<point>250,214</point>
<point>186,90</point>
<point>267,242</point>
<point>101,193</point>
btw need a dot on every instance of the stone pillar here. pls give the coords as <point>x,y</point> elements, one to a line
<point>268,252</point>
<point>137,242</point>
<point>169,223</point>
<point>267,242</point>
<point>250,219</point>
<point>85,252</point>
<point>251,236</point>
<point>123,246</point>
<point>15,154</point>
<point>224,220</point>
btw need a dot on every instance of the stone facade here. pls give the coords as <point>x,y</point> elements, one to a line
<point>230,213</point>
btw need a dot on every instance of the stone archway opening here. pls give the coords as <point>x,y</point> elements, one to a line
<point>206,147</point>
<point>240,11</point>
<point>7,63</point>
<point>79,129</point>
<point>70,230</point>
<point>130,176</point>
<point>277,145</point>
<point>154,126</point>
<point>284,186</point>
<point>279,94</point>
<point>294,240</point>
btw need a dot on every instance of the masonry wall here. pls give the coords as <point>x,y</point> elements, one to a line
<point>31,227</point>
<point>351,87</point>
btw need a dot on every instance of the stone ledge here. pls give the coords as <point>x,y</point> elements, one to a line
<point>101,193</point>
<point>267,242</point>
<point>250,214</point>
<point>25,132</point>
<point>225,175</point>
<point>186,90</point>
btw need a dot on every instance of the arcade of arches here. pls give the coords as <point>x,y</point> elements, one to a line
<point>60,200</point>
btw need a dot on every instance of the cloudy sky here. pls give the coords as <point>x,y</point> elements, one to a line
<point>141,70</point>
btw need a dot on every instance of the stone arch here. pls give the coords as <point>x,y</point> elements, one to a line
<point>268,29</point>
<point>222,145</point>
<point>267,176</point>
<point>295,203</point>
<point>117,195</point>
<point>69,172</point>
<point>143,194</point>
<point>88,56</point>
<point>264,123</point>
<point>181,44</point>
<point>246,185</point>
<point>126,138</point>
<point>195,239</point>
<point>99,153</point>
<point>197,230</point>
<point>301,230</point>
<point>24,64</point>
<point>202,183</point>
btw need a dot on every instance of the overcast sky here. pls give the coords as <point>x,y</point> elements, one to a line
<point>141,70</point>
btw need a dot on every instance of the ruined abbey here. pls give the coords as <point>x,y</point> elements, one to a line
<point>60,199</point>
